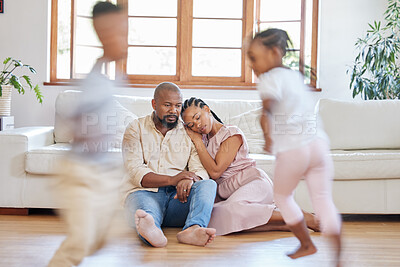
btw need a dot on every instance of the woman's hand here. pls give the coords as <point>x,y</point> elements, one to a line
<point>174,180</point>
<point>196,137</point>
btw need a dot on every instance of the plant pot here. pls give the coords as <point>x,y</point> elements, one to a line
<point>5,101</point>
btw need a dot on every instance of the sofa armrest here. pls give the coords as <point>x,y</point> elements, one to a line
<point>14,144</point>
<point>32,137</point>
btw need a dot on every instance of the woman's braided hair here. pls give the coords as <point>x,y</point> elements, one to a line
<point>193,101</point>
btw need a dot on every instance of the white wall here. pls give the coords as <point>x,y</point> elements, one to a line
<point>341,23</point>
<point>25,35</point>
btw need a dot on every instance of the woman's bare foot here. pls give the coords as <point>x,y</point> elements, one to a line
<point>196,235</point>
<point>303,251</point>
<point>311,221</point>
<point>148,230</point>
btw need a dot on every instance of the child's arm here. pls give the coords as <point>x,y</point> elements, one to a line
<point>265,124</point>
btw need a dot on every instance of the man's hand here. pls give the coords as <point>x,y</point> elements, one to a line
<point>183,189</point>
<point>183,175</point>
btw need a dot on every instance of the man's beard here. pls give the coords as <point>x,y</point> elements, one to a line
<point>167,124</point>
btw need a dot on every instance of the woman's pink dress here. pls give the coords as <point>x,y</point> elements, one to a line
<point>245,193</point>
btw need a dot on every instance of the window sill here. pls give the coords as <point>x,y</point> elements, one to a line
<point>182,86</point>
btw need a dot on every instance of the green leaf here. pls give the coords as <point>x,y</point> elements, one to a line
<point>14,81</point>
<point>7,77</point>
<point>372,27</point>
<point>6,60</point>
<point>28,80</point>
<point>32,69</point>
<point>17,63</point>
<point>39,95</point>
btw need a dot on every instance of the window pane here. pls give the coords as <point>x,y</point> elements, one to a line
<point>217,33</point>
<point>151,60</point>
<point>85,57</point>
<point>273,10</point>
<point>149,31</point>
<point>308,33</point>
<point>153,8</point>
<point>216,62</point>
<point>85,7</point>
<point>64,39</point>
<point>292,28</point>
<point>218,8</point>
<point>63,66</point>
<point>292,60</point>
<point>85,33</point>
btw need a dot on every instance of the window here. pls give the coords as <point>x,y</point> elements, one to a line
<point>299,19</point>
<point>190,42</point>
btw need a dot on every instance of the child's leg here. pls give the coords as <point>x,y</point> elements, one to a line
<point>319,181</point>
<point>289,169</point>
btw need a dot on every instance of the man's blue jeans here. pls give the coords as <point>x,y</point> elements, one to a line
<point>170,212</point>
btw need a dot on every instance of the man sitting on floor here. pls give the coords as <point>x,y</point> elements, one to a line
<point>166,184</point>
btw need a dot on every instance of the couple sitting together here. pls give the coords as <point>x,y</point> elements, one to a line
<point>196,175</point>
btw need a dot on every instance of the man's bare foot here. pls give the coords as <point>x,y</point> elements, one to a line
<point>303,251</point>
<point>196,235</point>
<point>148,230</point>
<point>311,221</point>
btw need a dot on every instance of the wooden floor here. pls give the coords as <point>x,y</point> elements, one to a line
<point>368,241</point>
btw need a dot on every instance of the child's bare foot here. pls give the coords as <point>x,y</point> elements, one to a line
<point>336,246</point>
<point>306,245</point>
<point>311,221</point>
<point>303,251</point>
<point>148,230</point>
<point>196,235</point>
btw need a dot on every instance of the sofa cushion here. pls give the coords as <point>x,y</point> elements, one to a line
<point>366,164</point>
<point>123,118</point>
<point>119,116</point>
<point>228,108</point>
<point>351,164</point>
<point>64,103</point>
<point>361,125</point>
<point>265,162</point>
<point>249,123</point>
<point>141,106</point>
<point>44,160</point>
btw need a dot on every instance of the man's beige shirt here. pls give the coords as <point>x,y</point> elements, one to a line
<point>145,149</point>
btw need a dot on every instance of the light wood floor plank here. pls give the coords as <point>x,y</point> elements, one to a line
<point>32,240</point>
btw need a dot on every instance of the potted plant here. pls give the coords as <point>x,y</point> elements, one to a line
<point>375,73</point>
<point>9,80</point>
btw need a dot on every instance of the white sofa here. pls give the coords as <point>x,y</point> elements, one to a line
<point>365,141</point>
